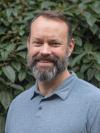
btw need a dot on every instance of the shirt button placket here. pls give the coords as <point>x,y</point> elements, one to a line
<point>40,106</point>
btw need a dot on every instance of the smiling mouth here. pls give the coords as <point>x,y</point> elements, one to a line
<point>44,63</point>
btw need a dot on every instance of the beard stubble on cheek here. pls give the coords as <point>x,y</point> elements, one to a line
<point>33,62</point>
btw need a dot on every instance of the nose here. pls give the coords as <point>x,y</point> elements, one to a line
<point>45,50</point>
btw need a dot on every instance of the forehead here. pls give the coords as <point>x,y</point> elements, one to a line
<point>48,26</point>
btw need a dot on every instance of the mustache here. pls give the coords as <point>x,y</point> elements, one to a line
<point>53,59</point>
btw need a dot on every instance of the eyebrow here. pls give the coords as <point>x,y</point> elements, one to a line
<point>54,40</point>
<point>36,38</point>
<point>49,40</point>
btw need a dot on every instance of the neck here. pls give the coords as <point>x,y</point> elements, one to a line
<point>47,87</point>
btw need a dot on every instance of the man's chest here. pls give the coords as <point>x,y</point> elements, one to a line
<point>46,118</point>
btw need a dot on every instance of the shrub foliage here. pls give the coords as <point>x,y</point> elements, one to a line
<point>14,16</point>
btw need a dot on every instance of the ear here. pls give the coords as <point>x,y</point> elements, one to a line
<point>70,47</point>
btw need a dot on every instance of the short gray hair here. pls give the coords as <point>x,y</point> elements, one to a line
<point>54,15</point>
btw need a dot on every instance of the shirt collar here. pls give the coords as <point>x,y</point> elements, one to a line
<point>35,91</point>
<point>66,87</point>
<point>62,91</point>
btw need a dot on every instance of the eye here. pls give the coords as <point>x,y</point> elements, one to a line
<point>55,44</point>
<point>37,43</point>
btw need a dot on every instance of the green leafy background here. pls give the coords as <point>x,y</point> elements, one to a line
<point>15,77</point>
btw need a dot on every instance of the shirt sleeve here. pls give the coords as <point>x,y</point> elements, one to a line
<point>8,125</point>
<point>93,124</point>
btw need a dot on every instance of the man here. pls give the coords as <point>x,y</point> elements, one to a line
<point>59,102</point>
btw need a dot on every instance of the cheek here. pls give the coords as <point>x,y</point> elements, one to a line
<point>59,52</point>
<point>32,52</point>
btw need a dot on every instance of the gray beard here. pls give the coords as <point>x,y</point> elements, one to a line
<point>45,75</point>
<point>50,73</point>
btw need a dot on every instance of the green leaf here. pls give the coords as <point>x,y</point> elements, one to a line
<point>96,7</point>
<point>15,12</point>
<point>2,30</point>
<point>94,29</point>
<point>88,47</point>
<point>5,98</point>
<point>0,72</point>
<point>10,47</point>
<point>90,18</point>
<point>6,51</point>
<point>22,75</point>
<point>82,6</point>
<point>84,67</point>
<point>22,54</point>
<point>80,75</point>
<point>90,74</point>
<point>22,32</point>
<point>97,66</point>
<point>4,55</point>
<point>21,47</point>
<point>97,75</point>
<point>77,59</point>
<point>17,87</point>
<point>46,4</point>
<point>2,124</point>
<point>16,65</point>
<point>9,12</point>
<point>75,1</point>
<point>9,72</point>
<point>78,41</point>
<point>97,57</point>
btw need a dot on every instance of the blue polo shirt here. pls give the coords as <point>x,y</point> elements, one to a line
<point>74,107</point>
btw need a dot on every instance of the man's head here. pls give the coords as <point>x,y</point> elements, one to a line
<point>50,44</point>
<point>56,16</point>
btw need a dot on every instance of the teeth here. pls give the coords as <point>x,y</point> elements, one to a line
<point>45,61</point>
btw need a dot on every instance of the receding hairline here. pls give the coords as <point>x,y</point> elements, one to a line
<point>56,16</point>
<point>41,18</point>
<point>53,15</point>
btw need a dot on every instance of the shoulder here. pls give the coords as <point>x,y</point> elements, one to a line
<point>86,86</point>
<point>23,97</point>
<point>87,90</point>
<point>87,96</point>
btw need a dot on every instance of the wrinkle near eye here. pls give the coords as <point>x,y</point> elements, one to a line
<point>51,42</point>
<point>37,42</point>
<point>55,43</point>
